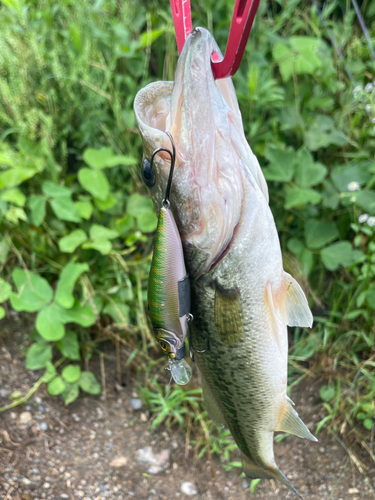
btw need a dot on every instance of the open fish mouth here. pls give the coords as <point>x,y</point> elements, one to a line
<point>203,117</point>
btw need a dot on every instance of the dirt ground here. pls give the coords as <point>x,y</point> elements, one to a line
<point>96,449</point>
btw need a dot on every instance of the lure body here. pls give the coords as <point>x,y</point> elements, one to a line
<point>168,289</point>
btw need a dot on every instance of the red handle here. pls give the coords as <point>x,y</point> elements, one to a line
<point>242,22</point>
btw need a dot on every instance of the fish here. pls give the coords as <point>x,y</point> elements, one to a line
<point>242,300</point>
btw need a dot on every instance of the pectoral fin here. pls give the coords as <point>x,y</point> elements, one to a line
<point>228,315</point>
<point>212,407</point>
<point>254,471</point>
<point>290,422</point>
<point>288,303</point>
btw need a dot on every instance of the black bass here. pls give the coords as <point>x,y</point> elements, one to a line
<point>242,300</point>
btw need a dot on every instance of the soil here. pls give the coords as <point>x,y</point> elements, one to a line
<point>90,449</point>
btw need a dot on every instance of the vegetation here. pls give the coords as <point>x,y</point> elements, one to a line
<point>77,224</point>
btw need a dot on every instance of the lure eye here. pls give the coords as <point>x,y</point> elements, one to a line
<point>163,345</point>
<point>148,173</point>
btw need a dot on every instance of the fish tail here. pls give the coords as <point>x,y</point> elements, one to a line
<point>254,471</point>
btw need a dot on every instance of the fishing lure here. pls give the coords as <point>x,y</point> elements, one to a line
<point>169,286</point>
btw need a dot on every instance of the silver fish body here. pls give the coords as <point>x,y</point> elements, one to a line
<point>242,300</point>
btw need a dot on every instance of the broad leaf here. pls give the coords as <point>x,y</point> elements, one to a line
<point>308,173</point>
<point>343,176</point>
<point>82,315</point>
<point>322,132</point>
<point>138,204</point>
<point>15,176</point>
<point>318,234</point>
<point>54,190</point>
<point>67,280</point>
<point>49,324</point>
<point>56,386</point>
<point>14,196</point>
<point>147,222</point>
<point>69,346</point>
<point>71,373</point>
<point>340,253</point>
<point>37,206</point>
<point>282,163</point>
<point>298,197</point>
<point>89,384</point>
<point>102,246</point>
<point>33,294</point>
<point>95,182</point>
<point>72,241</point>
<point>2,312</point>
<point>38,355</point>
<point>71,393</point>
<point>5,290</point>
<point>85,209</point>
<point>98,232</point>
<point>65,209</point>
<point>107,204</point>
<point>118,312</point>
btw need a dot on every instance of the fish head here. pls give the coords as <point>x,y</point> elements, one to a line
<point>204,120</point>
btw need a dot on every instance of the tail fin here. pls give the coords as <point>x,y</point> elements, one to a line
<point>254,471</point>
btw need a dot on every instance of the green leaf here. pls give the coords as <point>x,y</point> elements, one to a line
<point>49,324</point>
<point>33,294</point>
<point>75,36</point>
<point>370,297</point>
<point>138,204</point>
<point>66,283</point>
<point>366,200</point>
<point>147,222</point>
<point>2,312</point>
<point>295,246</point>
<point>38,355</point>
<point>102,246</point>
<point>69,346</point>
<point>85,209</point>
<point>82,315</point>
<point>104,157</point>
<point>50,372</point>
<point>322,132</point>
<point>71,393</point>
<point>308,173</point>
<point>54,190</point>
<point>327,393</point>
<point>318,234</point>
<point>100,232</point>
<point>37,206</point>
<point>65,209</point>
<point>149,37</point>
<point>14,196</point>
<point>72,241</point>
<point>5,290</point>
<point>298,197</point>
<point>97,158</point>
<point>305,59</point>
<point>342,176</point>
<point>125,224</point>
<point>109,203</point>
<point>71,373</point>
<point>340,253</point>
<point>89,384</point>
<point>282,163</point>
<point>15,176</point>
<point>15,214</point>
<point>4,250</point>
<point>56,386</point>
<point>95,182</point>
<point>118,312</point>
<point>368,424</point>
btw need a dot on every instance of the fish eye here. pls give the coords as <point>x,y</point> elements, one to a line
<point>148,173</point>
<point>163,345</point>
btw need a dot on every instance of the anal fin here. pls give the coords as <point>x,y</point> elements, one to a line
<point>290,422</point>
<point>212,407</point>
